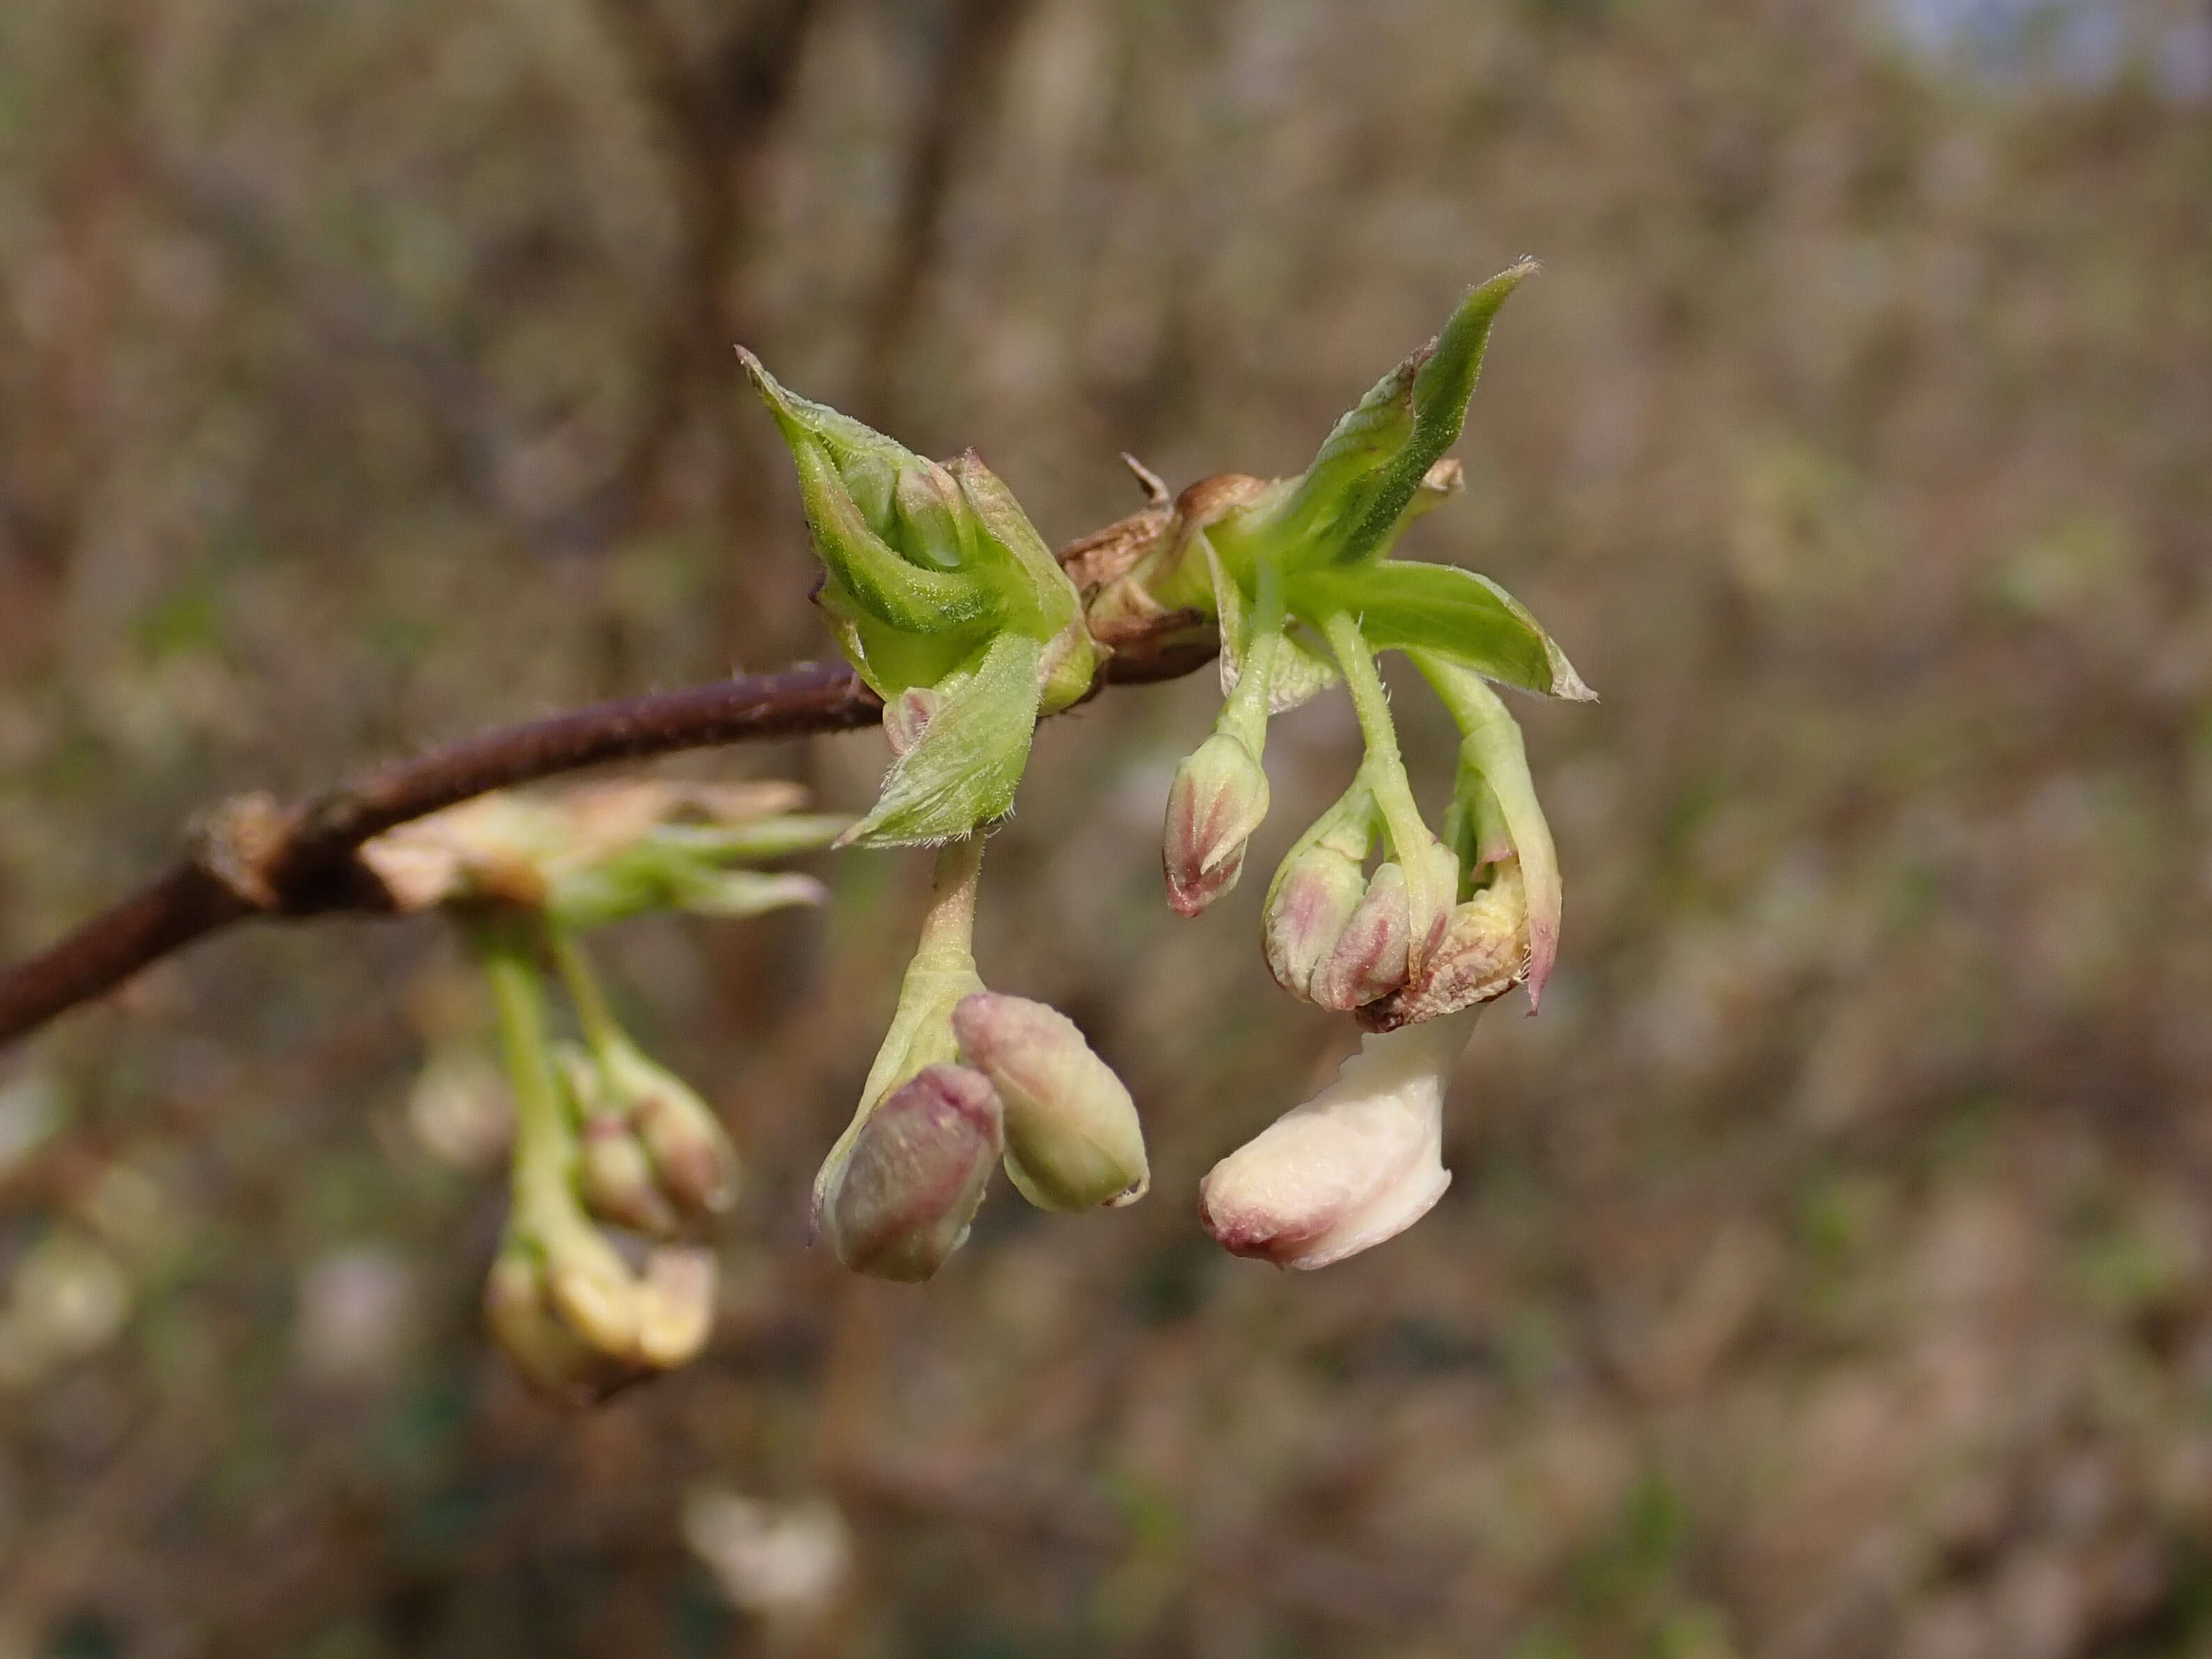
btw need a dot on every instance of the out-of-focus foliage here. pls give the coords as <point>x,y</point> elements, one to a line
<point>1828,1271</point>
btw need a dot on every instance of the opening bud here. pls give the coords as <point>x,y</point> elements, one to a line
<point>591,1287</point>
<point>1072,1138</point>
<point>900,1201</point>
<point>1483,955</point>
<point>1218,797</point>
<point>1356,1164</point>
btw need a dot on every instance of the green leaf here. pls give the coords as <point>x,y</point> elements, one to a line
<point>1455,613</point>
<point>1368,473</point>
<point>963,768</point>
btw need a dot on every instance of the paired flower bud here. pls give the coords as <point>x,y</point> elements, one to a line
<point>651,1152</point>
<point>898,1203</point>
<point>1219,796</point>
<point>1072,1138</point>
<point>1356,1164</point>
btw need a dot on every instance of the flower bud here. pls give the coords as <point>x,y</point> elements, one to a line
<point>1369,958</point>
<point>1357,1163</point>
<point>899,1203</point>
<point>591,1287</point>
<point>1483,955</point>
<point>1218,798</point>
<point>691,1154</point>
<point>614,1178</point>
<point>675,1306</point>
<point>1072,1138</point>
<point>1314,898</point>
<point>552,1356</point>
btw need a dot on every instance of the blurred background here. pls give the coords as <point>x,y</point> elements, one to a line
<point>1827,1272</point>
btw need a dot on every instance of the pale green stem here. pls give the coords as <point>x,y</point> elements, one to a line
<point>597,1021</point>
<point>1383,769</point>
<point>948,927</point>
<point>542,1143</point>
<point>1244,715</point>
<point>1430,887</point>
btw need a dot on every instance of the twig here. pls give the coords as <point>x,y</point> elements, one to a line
<point>252,857</point>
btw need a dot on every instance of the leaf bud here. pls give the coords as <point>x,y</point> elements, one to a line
<point>899,1202</point>
<point>1218,797</point>
<point>1072,1138</point>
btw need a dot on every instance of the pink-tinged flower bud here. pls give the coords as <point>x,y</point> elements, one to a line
<point>614,1177</point>
<point>693,1157</point>
<point>1218,800</point>
<point>1484,954</point>
<point>1357,1163</point>
<point>1313,899</point>
<point>900,1203</point>
<point>1370,956</point>
<point>1072,1138</point>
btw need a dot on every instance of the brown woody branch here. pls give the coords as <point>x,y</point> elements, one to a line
<point>252,857</point>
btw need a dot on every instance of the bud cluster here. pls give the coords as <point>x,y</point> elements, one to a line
<point>945,600</point>
<point>617,1163</point>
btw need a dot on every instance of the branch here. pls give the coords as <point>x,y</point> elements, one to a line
<point>252,857</point>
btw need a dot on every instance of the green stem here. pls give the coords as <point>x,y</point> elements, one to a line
<point>1244,715</point>
<point>948,927</point>
<point>505,949</point>
<point>597,1021</point>
<point>942,972</point>
<point>1384,767</point>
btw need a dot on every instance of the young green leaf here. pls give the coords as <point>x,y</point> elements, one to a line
<point>1455,613</point>
<point>962,769</point>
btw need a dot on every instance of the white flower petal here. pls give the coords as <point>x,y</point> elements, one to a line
<point>1359,1163</point>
